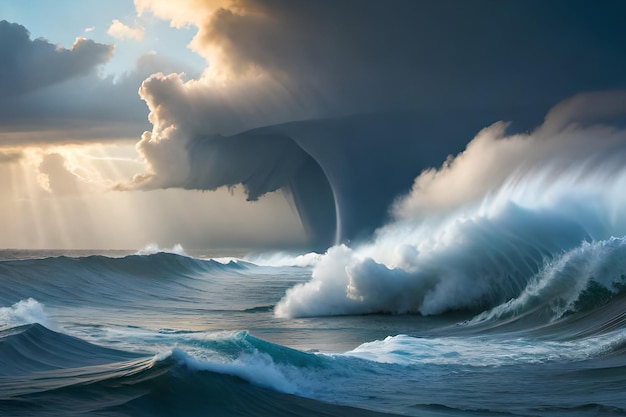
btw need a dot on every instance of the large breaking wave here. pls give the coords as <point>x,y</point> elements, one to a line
<point>510,217</point>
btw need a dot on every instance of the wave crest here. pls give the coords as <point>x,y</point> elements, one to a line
<point>23,312</point>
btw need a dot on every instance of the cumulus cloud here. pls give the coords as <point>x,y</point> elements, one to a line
<point>28,65</point>
<point>182,12</point>
<point>119,30</point>
<point>52,94</point>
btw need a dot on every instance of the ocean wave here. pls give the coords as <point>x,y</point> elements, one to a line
<point>35,359</point>
<point>580,280</point>
<point>41,369</point>
<point>476,231</point>
<point>236,373</point>
<point>103,279</point>
<point>506,281</point>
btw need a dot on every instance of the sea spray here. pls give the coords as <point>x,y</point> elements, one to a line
<point>23,312</point>
<point>473,233</point>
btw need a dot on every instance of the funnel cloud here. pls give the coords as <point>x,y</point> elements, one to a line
<point>342,105</point>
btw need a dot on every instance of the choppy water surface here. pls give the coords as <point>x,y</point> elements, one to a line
<point>171,334</point>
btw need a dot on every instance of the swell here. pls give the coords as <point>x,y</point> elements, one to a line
<point>106,279</point>
<point>150,264</point>
<point>34,359</point>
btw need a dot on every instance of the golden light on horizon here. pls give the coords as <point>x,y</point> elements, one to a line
<point>62,196</point>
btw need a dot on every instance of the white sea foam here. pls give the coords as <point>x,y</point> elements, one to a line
<point>278,259</point>
<point>153,248</point>
<point>233,353</point>
<point>23,312</point>
<point>481,351</point>
<point>257,368</point>
<point>225,260</point>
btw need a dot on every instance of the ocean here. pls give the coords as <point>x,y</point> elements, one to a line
<point>167,333</point>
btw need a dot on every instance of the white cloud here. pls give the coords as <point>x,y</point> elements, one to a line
<point>121,31</point>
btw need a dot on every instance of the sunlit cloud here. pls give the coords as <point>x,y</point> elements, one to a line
<point>90,29</point>
<point>119,30</point>
<point>183,12</point>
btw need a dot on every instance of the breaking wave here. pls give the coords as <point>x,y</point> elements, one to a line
<point>510,217</point>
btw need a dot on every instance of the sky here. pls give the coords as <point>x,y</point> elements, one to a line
<point>258,123</point>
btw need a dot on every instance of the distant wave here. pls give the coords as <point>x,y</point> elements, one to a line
<point>102,279</point>
<point>278,259</point>
<point>145,262</point>
<point>478,351</point>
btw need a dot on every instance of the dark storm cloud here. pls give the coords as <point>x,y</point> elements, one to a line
<point>449,68</point>
<point>28,65</point>
<point>351,56</point>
